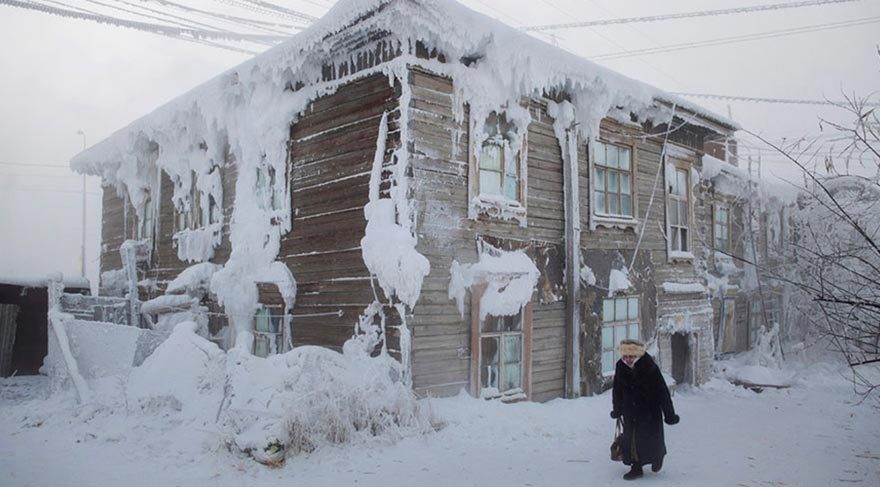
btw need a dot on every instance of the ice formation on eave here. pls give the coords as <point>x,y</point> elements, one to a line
<point>510,278</point>
<point>243,116</point>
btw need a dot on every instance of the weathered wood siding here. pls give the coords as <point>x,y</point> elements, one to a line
<point>332,147</point>
<point>441,336</point>
<point>119,223</point>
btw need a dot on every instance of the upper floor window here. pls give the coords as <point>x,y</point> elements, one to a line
<point>496,182</point>
<point>498,159</point>
<point>721,228</point>
<point>678,210</point>
<point>620,320</point>
<point>612,173</point>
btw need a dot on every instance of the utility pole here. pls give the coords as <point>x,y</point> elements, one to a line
<point>82,255</point>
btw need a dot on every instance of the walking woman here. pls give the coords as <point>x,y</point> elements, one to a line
<point>641,398</point>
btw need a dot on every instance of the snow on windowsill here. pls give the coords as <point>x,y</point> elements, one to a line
<point>683,288</point>
<point>681,255</point>
<point>197,245</point>
<point>609,221</point>
<point>499,207</point>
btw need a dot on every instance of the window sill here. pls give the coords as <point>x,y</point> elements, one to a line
<point>498,207</point>
<point>680,256</point>
<point>608,221</point>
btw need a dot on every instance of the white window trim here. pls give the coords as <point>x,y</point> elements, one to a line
<point>613,221</point>
<point>677,162</point>
<point>492,206</point>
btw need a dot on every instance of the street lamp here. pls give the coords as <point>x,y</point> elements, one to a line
<point>83,243</point>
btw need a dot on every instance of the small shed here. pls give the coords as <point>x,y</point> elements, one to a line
<point>23,322</point>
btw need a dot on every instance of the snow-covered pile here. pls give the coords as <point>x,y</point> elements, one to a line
<point>288,403</point>
<point>760,366</point>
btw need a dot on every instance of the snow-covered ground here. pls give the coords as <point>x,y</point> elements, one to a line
<point>813,434</point>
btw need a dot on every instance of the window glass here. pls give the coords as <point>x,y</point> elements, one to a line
<point>633,308</point>
<point>608,310</point>
<point>611,157</point>
<point>490,157</point>
<point>489,373</point>
<point>600,179</point>
<point>490,182</point>
<point>620,309</point>
<point>607,338</point>
<point>624,160</point>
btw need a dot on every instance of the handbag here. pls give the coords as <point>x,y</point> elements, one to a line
<point>616,445</point>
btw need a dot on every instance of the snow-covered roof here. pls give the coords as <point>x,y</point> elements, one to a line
<point>514,62</point>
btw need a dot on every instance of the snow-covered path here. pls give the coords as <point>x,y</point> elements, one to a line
<point>810,435</point>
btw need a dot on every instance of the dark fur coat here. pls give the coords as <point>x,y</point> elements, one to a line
<point>641,397</point>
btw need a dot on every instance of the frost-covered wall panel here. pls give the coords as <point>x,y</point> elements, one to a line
<point>112,228</point>
<point>332,148</point>
<point>441,335</point>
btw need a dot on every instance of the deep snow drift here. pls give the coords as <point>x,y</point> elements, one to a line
<point>812,434</point>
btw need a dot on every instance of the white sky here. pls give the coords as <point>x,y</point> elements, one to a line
<point>62,75</point>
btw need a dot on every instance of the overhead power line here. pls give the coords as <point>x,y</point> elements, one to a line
<point>24,164</point>
<point>791,101</point>
<point>684,15</point>
<point>735,39</point>
<point>195,35</point>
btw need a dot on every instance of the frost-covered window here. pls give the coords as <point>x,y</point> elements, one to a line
<point>721,228</point>
<point>145,225</point>
<point>268,323</point>
<point>210,212</point>
<point>498,161</point>
<point>612,180</point>
<point>678,210</point>
<point>620,320</point>
<point>265,188</point>
<point>501,356</point>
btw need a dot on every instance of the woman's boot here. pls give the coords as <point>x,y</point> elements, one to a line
<point>634,473</point>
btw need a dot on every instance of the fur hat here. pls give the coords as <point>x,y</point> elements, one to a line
<point>632,347</point>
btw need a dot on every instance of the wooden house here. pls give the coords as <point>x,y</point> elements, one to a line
<point>470,145</point>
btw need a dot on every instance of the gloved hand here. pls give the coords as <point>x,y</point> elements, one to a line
<point>615,414</point>
<point>674,419</point>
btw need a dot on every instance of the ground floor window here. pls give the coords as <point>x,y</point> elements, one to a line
<point>620,320</point>
<point>501,358</point>
<point>268,327</point>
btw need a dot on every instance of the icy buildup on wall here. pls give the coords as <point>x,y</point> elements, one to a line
<point>194,280</point>
<point>510,276</point>
<point>618,280</point>
<point>198,245</point>
<point>243,118</point>
<point>588,277</point>
<point>388,246</point>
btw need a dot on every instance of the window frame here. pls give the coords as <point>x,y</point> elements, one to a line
<point>595,166</point>
<point>477,335</point>
<point>679,164</point>
<point>274,312</point>
<point>715,227</point>
<point>613,325</point>
<point>491,205</point>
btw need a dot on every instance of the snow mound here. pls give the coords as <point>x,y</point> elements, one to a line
<point>284,404</point>
<point>185,373</point>
<point>311,397</point>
